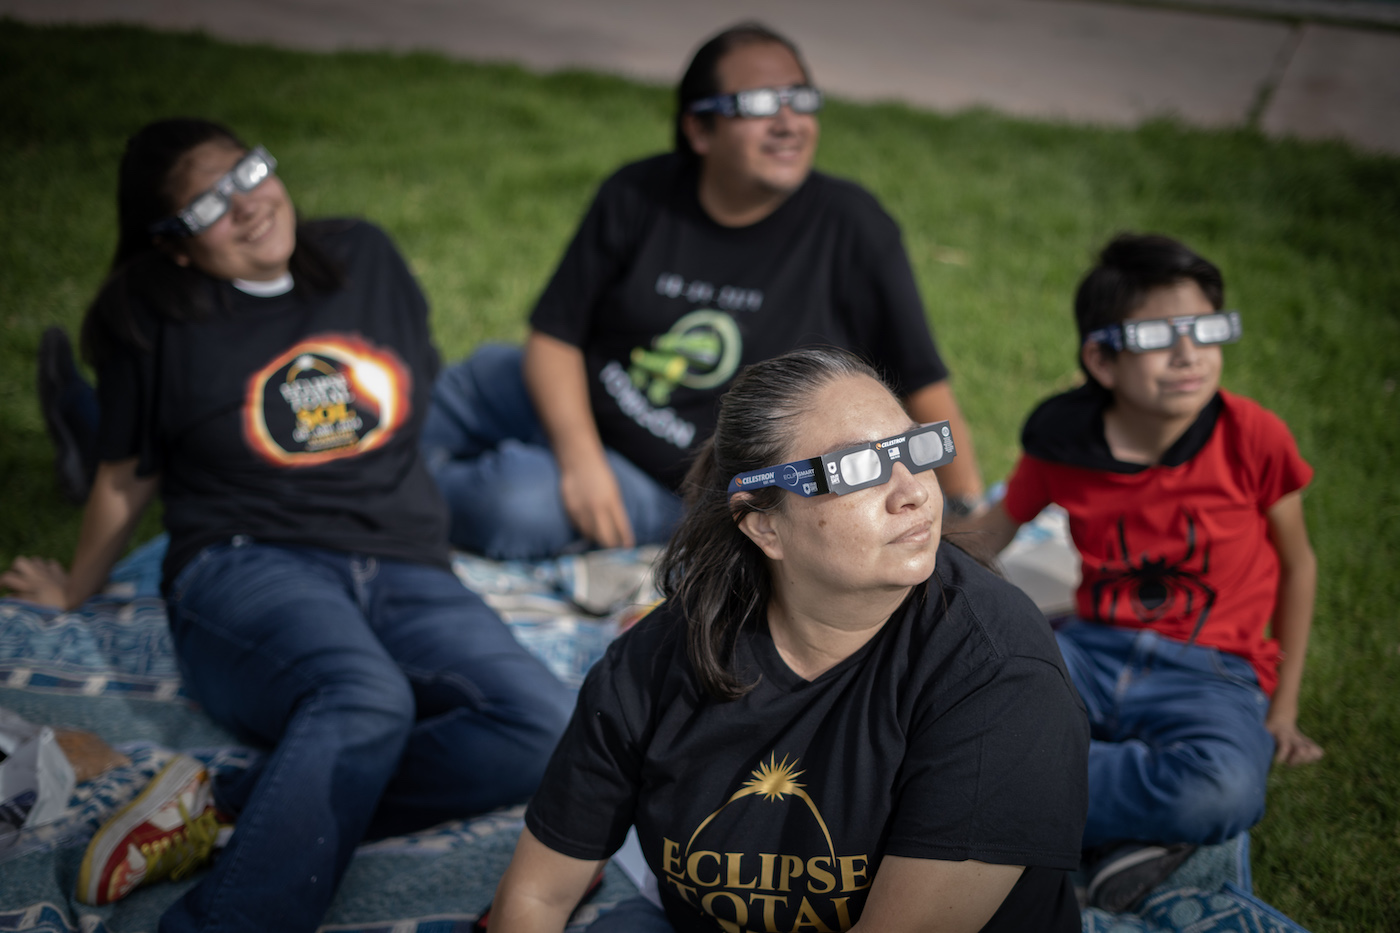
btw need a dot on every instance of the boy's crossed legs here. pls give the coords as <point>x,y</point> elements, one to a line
<point>1179,750</point>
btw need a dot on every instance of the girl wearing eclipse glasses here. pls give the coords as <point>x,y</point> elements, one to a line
<point>267,379</point>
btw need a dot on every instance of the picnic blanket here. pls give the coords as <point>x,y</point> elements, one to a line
<point>108,668</point>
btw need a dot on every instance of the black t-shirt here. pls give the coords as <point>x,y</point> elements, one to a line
<point>953,734</point>
<point>668,305</point>
<point>292,419</point>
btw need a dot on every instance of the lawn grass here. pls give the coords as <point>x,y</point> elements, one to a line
<point>481,172</point>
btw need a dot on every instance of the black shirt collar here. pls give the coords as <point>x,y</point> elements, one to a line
<point>1068,429</point>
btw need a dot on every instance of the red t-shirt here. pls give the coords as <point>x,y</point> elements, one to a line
<point>1181,547</point>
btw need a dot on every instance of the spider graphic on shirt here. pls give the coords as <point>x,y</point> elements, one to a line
<point>1152,587</point>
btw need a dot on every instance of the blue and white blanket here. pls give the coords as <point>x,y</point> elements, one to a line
<point>108,669</point>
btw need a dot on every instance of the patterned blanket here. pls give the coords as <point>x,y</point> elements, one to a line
<point>108,669</point>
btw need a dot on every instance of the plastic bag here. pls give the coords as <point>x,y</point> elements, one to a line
<point>36,780</point>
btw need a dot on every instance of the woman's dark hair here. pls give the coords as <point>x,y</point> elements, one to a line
<point>701,78</point>
<point>710,569</point>
<point>1130,268</point>
<point>141,268</point>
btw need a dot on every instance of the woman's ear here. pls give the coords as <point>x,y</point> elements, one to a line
<point>761,528</point>
<point>1099,363</point>
<point>696,133</point>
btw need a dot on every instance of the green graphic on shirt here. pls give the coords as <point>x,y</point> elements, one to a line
<point>700,351</point>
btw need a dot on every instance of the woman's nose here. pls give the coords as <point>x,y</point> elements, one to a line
<point>906,489</point>
<point>240,203</point>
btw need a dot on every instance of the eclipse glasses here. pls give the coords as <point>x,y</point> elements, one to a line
<point>1161,333</point>
<point>204,211</point>
<point>761,101</point>
<point>852,469</point>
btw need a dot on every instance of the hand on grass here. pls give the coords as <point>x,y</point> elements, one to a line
<point>1291,746</point>
<point>38,580</point>
<point>594,504</point>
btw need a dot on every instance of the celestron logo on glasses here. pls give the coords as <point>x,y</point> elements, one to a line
<point>756,478</point>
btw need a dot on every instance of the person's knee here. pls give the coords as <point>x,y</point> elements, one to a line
<point>365,705</point>
<point>536,724</point>
<point>488,367</point>
<point>515,514</point>
<point>537,710</point>
<point>547,721</point>
<point>1220,798</point>
<point>1199,792</point>
<point>1222,808</point>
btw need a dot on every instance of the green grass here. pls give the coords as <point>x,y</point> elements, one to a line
<point>481,172</point>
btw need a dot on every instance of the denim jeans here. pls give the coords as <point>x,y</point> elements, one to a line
<point>1178,750</point>
<point>393,698</point>
<point>485,446</point>
<point>634,915</point>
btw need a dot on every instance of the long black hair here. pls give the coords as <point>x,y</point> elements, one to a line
<point>710,569</point>
<point>701,78</point>
<point>143,268</point>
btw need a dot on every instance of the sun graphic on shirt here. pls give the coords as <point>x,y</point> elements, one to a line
<point>329,396</point>
<point>773,781</point>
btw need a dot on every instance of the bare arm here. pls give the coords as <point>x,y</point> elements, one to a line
<point>989,533</point>
<point>113,508</point>
<point>936,402</point>
<point>558,384</point>
<point>916,895</point>
<point>540,888</point>
<point>1292,624</point>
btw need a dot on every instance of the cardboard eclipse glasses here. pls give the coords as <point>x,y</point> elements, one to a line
<point>1162,333</point>
<point>761,101</point>
<point>852,469</point>
<point>205,210</point>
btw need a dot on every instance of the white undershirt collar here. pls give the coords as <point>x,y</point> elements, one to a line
<point>269,289</point>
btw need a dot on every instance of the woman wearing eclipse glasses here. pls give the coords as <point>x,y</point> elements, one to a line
<point>835,720</point>
<point>688,266</point>
<point>268,380</point>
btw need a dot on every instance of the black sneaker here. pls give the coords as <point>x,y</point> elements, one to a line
<point>62,390</point>
<point>1127,874</point>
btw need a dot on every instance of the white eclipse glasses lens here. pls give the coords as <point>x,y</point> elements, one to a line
<point>854,468</point>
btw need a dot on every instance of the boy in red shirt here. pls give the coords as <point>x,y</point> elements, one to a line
<point>1185,504</point>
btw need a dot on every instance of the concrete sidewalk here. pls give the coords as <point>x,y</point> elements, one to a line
<point>1093,62</point>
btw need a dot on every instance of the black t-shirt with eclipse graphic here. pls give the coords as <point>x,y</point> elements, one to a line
<point>953,734</point>
<point>291,419</point>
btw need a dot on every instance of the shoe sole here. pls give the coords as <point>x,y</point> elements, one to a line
<point>178,772</point>
<point>1170,857</point>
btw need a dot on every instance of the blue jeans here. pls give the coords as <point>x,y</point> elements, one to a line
<point>1178,750</point>
<point>484,445</point>
<point>393,698</point>
<point>634,915</point>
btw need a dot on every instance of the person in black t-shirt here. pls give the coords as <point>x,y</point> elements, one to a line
<point>268,380</point>
<point>834,721</point>
<point>687,266</point>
